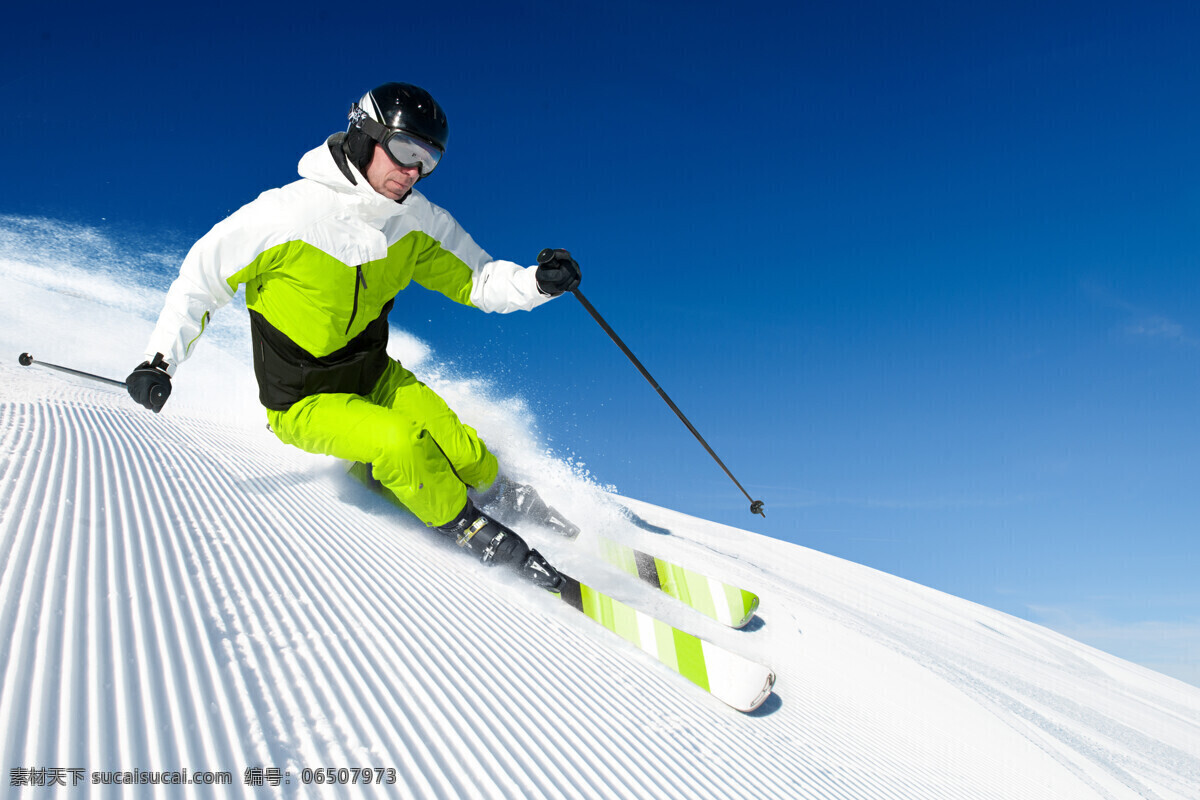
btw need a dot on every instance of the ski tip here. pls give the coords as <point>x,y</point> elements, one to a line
<point>768,687</point>
<point>750,702</point>
<point>750,603</point>
<point>737,681</point>
<point>756,701</point>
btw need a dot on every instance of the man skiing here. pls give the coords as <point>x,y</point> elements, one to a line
<point>322,260</point>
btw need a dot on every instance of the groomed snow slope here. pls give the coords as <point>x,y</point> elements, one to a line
<point>183,591</point>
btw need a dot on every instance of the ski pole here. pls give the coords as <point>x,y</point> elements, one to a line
<point>27,359</point>
<point>756,506</point>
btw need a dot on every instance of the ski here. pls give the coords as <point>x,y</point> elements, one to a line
<point>731,678</point>
<point>724,602</point>
<point>715,598</point>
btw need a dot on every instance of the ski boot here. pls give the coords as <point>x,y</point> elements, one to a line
<point>523,500</point>
<point>496,544</point>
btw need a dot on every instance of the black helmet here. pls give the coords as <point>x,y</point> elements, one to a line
<point>404,107</point>
<point>400,107</point>
<point>405,119</point>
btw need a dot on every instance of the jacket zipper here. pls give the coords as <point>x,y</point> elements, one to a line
<point>359,278</point>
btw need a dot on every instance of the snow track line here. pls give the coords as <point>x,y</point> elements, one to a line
<point>27,553</point>
<point>72,598</point>
<point>185,613</point>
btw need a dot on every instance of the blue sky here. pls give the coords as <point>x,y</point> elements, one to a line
<point>923,274</point>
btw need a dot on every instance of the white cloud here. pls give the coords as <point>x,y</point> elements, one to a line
<point>1144,323</point>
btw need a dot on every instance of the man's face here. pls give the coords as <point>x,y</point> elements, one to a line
<point>389,178</point>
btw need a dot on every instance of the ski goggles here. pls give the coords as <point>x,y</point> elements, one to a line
<point>409,151</point>
<point>404,149</point>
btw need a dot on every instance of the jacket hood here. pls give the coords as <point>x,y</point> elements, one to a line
<point>319,165</point>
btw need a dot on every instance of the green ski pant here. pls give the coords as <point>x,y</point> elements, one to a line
<point>416,446</point>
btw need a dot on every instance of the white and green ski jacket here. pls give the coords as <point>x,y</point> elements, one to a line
<point>322,260</point>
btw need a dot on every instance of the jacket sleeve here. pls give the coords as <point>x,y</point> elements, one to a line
<point>456,266</point>
<point>217,264</point>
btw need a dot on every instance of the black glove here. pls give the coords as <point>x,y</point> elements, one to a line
<point>557,272</point>
<point>150,384</point>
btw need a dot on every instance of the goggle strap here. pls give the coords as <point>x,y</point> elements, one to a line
<point>370,127</point>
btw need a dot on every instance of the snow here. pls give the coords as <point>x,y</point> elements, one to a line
<point>183,591</point>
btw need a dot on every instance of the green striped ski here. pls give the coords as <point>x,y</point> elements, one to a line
<point>712,597</point>
<point>727,676</point>
<point>715,598</point>
<point>733,679</point>
<point>724,602</point>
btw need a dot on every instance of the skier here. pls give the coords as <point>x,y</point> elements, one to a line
<point>322,260</point>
